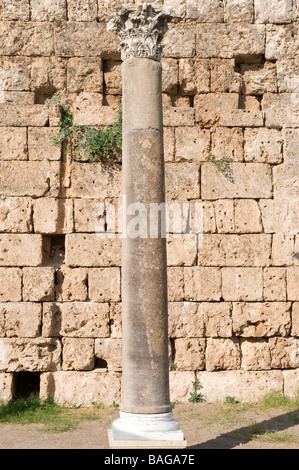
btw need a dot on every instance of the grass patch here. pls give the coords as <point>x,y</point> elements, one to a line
<point>276,399</point>
<point>53,417</point>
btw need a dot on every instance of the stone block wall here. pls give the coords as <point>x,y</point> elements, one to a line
<point>230,89</point>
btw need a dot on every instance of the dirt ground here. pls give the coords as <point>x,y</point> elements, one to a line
<point>205,425</point>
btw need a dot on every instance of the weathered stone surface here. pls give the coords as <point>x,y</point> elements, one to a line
<point>286,181</point>
<point>15,10</point>
<point>261,319</point>
<point>281,110</point>
<point>182,181</point>
<point>38,354</point>
<point>291,382</point>
<point>48,74</point>
<point>192,144</point>
<point>52,215</point>
<point>48,11</point>
<point>211,107</point>
<point>287,75</point>
<point>293,283</point>
<point>283,249</point>
<point>84,74</point>
<point>20,250</point>
<point>10,284</point>
<point>295,319</point>
<point>6,387</point>
<point>238,11</point>
<point>246,386</point>
<point>178,116</point>
<point>109,350</point>
<point>205,11</point>
<point>284,353</point>
<point>89,215</point>
<point>242,118</point>
<point>235,250</point>
<point>20,319</point>
<point>38,284</point>
<point>259,78</point>
<point>115,323</point>
<point>185,320</point>
<point>222,354</point>
<point>247,216</point>
<point>32,38</point>
<point>75,388</point>
<point>15,214</point>
<point>71,284</point>
<point>255,354</point>
<point>92,180</point>
<point>225,215</point>
<point>224,78</point>
<point>242,284</point>
<point>291,143</point>
<point>104,284</point>
<point>281,41</point>
<point>13,142</point>
<point>89,110</point>
<point>190,353</point>
<point>181,251</point>
<point>175,276</point>
<point>279,11</point>
<point>78,354</point>
<point>194,76</point>
<point>40,146</point>
<point>227,143</point>
<point>29,178</point>
<point>178,43</point>
<point>275,284</point>
<point>241,180</point>
<point>83,10</point>
<point>180,384</point>
<point>202,283</point>
<point>91,250</point>
<point>19,116</point>
<point>263,145</point>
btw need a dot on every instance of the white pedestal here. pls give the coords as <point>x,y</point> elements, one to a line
<point>147,431</point>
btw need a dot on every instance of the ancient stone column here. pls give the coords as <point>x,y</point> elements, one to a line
<point>145,411</point>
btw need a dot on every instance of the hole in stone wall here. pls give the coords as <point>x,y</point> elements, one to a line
<point>100,363</point>
<point>53,250</point>
<point>26,383</point>
<point>43,95</point>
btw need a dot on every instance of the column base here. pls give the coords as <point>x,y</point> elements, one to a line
<point>146,431</point>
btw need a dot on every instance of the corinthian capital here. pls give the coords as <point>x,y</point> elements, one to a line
<point>140,29</point>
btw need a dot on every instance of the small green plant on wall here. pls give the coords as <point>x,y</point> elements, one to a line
<point>196,396</point>
<point>95,144</point>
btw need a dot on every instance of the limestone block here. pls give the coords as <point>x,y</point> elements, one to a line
<point>20,319</point>
<point>202,283</point>
<point>178,7</point>
<point>291,382</point>
<point>15,10</point>
<point>238,11</point>
<point>291,145</point>
<point>295,319</point>
<point>113,77</point>
<point>48,74</point>
<point>250,103</point>
<point>15,74</point>
<point>13,143</point>
<point>168,135</point>
<point>263,145</point>
<point>281,110</point>
<point>287,75</point>
<point>280,216</point>
<point>38,284</point>
<point>15,214</point>
<point>178,43</point>
<point>20,250</point>
<point>224,78</point>
<point>23,98</point>
<point>259,78</point>
<point>91,180</point>
<point>47,10</point>
<point>242,118</point>
<point>115,320</point>
<point>180,384</point>
<point>190,353</point>
<point>179,116</point>
<point>242,284</point>
<point>10,284</point>
<point>175,277</point>
<point>104,284</point>
<point>192,144</point>
<point>78,354</point>
<point>90,250</point>
<point>246,386</point>
<point>13,115</point>
<point>194,76</point>
<point>239,180</point>
<point>284,353</point>
<point>222,354</point>
<point>109,350</point>
<point>185,320</point>
<point>293,283</point>
<point>84,39</point>
<point>38,354</point>
<point>181,251</point>
<point>225,215</point>
<point>258,320</point>
<point>82,10</point>
<point>217,319</point>
<point>255,354</point>
<point>205,11</point>
<point>247,216</point>
<point>209,219</point>
<point>31,38</point>
<point>278,11</point>
<point>235,250</point>
<point>227,143</point>
<point>182,180</point>
<point>33,179</point>
<point>40,143</point>
<point>71,284</point>
<point>84,74</point>
<point>88,110</point>
<point>6,387</point>
<point>283,247</point>
<point>79,388</point>
<point>226,41</point>
<point>210,107</point>
<point>51,215</point>
<point>275,284</point>
<point>281,41</point>
<point>286,181</point>
<point>97,215</point>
